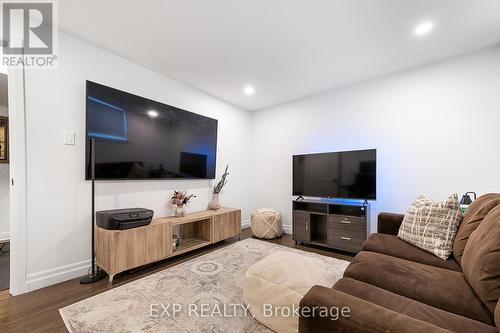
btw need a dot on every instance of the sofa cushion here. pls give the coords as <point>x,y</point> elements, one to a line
<point>409,307</point>
<point>481,259</point>
<point>441,288</point>
<point>393,246</point>
<point>432,226</point>
<point>364,316</point>
<point>476,212</point>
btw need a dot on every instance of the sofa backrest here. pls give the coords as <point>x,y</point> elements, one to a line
<point>481,259</point>
<point>472,218</point>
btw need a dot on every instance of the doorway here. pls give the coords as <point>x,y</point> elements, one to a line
<point>4,185</point>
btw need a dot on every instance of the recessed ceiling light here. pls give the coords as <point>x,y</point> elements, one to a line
<point>249,90</point>
<point>424,28</point>
<point>153,113</point>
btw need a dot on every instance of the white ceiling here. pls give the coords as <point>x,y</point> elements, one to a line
<point>286,49</point>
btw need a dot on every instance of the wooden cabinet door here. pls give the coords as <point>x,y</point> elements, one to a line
<point>226,225</point>
<point>140,246</point>
<point>301,226</point>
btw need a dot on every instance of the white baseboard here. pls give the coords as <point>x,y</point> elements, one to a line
<point>63,273</point>
<point>4,236</point>
<point>286,228</point>
<point>245,224</point>
<point>57,275</point>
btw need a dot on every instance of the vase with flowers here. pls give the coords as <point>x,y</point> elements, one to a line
<point>179,199</point>
<point>214,203</point>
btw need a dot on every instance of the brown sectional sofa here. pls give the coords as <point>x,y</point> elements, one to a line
<point>393,286</point>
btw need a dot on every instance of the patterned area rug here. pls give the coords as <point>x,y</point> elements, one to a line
<point>204,294</point>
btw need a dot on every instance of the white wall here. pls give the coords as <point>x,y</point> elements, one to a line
<point>59,198</point>
<point>435,128</point>
<point>428,124</point>
<point>4,191</point>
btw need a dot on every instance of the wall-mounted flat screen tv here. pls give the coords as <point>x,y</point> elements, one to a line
<point>138,138</point>
<point>346,175</point>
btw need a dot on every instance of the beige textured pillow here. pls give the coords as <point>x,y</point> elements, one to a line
<point>432,226</point>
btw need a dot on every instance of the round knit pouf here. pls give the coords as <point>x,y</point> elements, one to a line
<point>266,223</point>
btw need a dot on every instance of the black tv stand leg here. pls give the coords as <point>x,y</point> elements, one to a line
<point>299,198</point>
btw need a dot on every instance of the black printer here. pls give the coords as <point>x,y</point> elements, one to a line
<point>121,219</point>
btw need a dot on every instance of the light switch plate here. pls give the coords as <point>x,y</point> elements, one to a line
<point>69,138</point>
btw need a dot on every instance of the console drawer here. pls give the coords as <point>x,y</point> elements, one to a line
<point>353,229</point>
<point>345,221</point>
<point>347,237</point>
<point>345,242</point>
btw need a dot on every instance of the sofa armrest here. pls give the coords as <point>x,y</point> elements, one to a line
<point>364,316</point>
<point>389,223</point>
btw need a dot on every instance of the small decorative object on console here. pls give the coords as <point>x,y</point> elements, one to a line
<point>175,242</point>
<point>180,211</point>
<point>214,203</point>
<point>179,199</point>
<point>466,201</point>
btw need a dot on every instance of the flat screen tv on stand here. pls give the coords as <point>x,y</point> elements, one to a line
<point>342,175</point>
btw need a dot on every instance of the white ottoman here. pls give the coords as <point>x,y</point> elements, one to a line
<point>277,283</point>
<point>266,223</point>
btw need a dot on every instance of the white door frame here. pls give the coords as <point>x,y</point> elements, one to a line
<point>18,180</point>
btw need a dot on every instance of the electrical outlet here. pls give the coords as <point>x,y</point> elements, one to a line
<point>69,138</point>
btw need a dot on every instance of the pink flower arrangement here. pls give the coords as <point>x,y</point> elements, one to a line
<point>181,198</point>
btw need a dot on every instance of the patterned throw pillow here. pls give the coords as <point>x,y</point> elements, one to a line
<point>432,226</point>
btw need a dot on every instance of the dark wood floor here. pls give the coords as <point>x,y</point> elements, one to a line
<point>37,311</point>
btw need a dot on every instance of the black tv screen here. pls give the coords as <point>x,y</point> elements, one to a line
<point>137,138</point>
<point>346,175</point>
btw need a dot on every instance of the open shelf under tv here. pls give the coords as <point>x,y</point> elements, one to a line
<point>190,244</point>
<point>193,235</point>
<point>310,206</point>
<point>318,227</point>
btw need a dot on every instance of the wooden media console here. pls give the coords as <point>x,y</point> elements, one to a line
<point>120,250</point>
